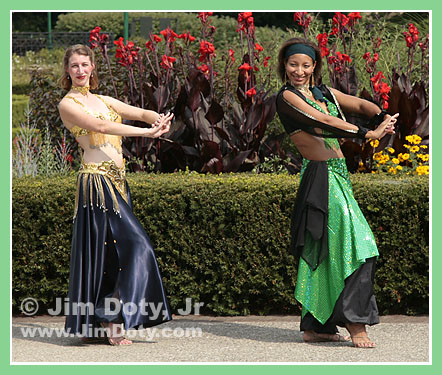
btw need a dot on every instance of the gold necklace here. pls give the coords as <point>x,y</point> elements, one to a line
<point>83,90</point>
<point>304,89</point>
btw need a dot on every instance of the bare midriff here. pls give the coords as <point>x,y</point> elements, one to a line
<point>314,148</point>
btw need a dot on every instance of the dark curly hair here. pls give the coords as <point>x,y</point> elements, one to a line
<point>282,59</point>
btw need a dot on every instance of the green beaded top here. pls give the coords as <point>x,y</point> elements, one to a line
<point>330,143</point>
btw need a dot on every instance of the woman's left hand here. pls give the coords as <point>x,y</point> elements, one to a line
<point>162,125</point>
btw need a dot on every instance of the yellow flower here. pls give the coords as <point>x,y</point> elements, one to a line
<point>403,157</point>
<point>395,160</point>
<point>407,146</point>
<point>374,143</point>
<point>423,157</point>
<point>413,139</point>
<point>423,169</point>
<point>399,168</point>
<point>423,146</point>
<point>417,139</point>
<point>377,156</point>
<point>414,148</point>
<point>392,170</point>
<point>391,150</point>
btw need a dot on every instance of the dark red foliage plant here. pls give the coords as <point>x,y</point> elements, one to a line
<point>208,134</point>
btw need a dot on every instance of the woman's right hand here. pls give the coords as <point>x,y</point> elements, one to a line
<point>385,127</point>
<point>159,127</point>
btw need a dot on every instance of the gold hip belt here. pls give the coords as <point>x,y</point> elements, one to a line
<point>113,176</point>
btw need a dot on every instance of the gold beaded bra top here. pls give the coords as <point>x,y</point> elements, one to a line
<point>97,140</point>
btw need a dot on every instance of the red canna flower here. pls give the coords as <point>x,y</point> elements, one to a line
<point>156,38</point>
<point>258,47</point>
<point>231,55</point>
<point>203,16</point>
<point>343,57</point>
<point>169,35</point>
<point>244,16</point>
<point>381,88</point>
<point>206,50</point>
<point>412,36</point>
<point>353,18</point>
<point>245,67</point>
<point>332,60</point>
<point>408,39</point>
<point>124,53</point>
<point>187,37</point>
<point>424,45</point>
<point>414,32</point>
<point>377,44</point>
<point>97,40</point>
<point>340,20</point>
<point>204,68</point>
<point>149,46</point>
<point>322,43</point>
<point>334,31</point>
<point>302,19</point>
<point>377,77</point>
<point>266,61</point>
<point>246,23</point>
<point>367,56</point>
<point>384,88</point>
<point>251,93</point>
<point>167,62</point>
<point>94,36</point>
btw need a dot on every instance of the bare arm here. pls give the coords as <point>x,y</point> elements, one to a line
<point>129,112</point>
<point>387,126</point>
<point>353,104</point>
<point>71,114</point>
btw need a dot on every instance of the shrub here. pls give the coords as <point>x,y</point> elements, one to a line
<point>222,239</point>
<point>20,105</point>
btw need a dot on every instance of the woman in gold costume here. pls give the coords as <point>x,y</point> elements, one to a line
<point>114,275</point>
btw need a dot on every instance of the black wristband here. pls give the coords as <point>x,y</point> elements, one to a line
<point>362,132</point>
<point>378,118</point>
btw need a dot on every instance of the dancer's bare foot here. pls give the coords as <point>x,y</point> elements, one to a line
<point>312,336</point>
<point>114,336</point>
<point>359,336</point>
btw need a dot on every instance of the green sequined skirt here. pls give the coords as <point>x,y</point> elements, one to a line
<point>350,240</point>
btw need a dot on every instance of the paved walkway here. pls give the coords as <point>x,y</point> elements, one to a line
<point>249,339</point>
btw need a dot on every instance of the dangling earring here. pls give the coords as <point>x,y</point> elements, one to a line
<point>68,78</point>
<point>312,81</point>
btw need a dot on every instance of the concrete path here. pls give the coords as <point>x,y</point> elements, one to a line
<point>204,339</point>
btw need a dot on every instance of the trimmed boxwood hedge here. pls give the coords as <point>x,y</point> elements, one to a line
<point>223,240</point>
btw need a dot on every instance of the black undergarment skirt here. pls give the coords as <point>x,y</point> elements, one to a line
<point>356,303</point>
<point>114,275</point>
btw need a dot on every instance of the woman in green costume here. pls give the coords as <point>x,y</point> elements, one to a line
<point>330,236</point>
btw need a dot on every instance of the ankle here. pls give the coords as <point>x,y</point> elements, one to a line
<point>356,329</point>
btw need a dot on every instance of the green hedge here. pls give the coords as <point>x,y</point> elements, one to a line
<point>222,240</point>
<point>20,105</point>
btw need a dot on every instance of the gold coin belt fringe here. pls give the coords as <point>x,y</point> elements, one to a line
<point>90,177</point>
